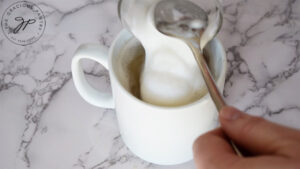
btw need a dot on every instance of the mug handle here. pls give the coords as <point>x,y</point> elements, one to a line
<point>91,95</point>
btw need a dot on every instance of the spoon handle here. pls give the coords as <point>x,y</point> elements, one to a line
<point>210,83</point>
<point>212,89</point>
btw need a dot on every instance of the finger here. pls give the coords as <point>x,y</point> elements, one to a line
<point>263,162</point>
<point>255,134</point>
<point>213,151</point>
<point>212,148</point>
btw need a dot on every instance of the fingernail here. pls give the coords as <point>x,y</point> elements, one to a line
<point>230,114</point>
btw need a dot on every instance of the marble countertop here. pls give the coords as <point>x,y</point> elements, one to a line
<point>44,123</point>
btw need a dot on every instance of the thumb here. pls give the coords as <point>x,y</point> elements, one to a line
<point>254,134</point>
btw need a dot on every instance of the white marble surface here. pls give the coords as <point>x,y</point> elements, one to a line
<point>45,124</point>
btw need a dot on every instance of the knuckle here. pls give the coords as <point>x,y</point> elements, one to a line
<point>197,142</point>
<point>206,164</point>
<point>202,139</point>
<point>197,147</point>
<point>202,157</point>
<point>200,143</point>
<point>251,125</point>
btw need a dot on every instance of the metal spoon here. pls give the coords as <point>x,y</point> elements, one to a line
<point>187,21</point>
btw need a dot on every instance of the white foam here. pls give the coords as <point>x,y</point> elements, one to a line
<point>170,76</point>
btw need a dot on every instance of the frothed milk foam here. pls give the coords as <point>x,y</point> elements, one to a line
<point>170,76</point>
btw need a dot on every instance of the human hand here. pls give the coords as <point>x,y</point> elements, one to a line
<point>271,146</point>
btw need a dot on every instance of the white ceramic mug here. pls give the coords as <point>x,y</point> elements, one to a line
<point>161,135</point>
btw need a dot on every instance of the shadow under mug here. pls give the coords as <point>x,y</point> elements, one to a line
<point>161,135</point>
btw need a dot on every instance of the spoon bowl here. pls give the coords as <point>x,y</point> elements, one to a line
<point>189,22</point>
<point>186,20</point>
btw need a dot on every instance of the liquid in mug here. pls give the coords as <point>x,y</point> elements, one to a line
<point>170,75</point>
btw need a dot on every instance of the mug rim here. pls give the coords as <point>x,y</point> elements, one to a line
<point>125,32</point>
